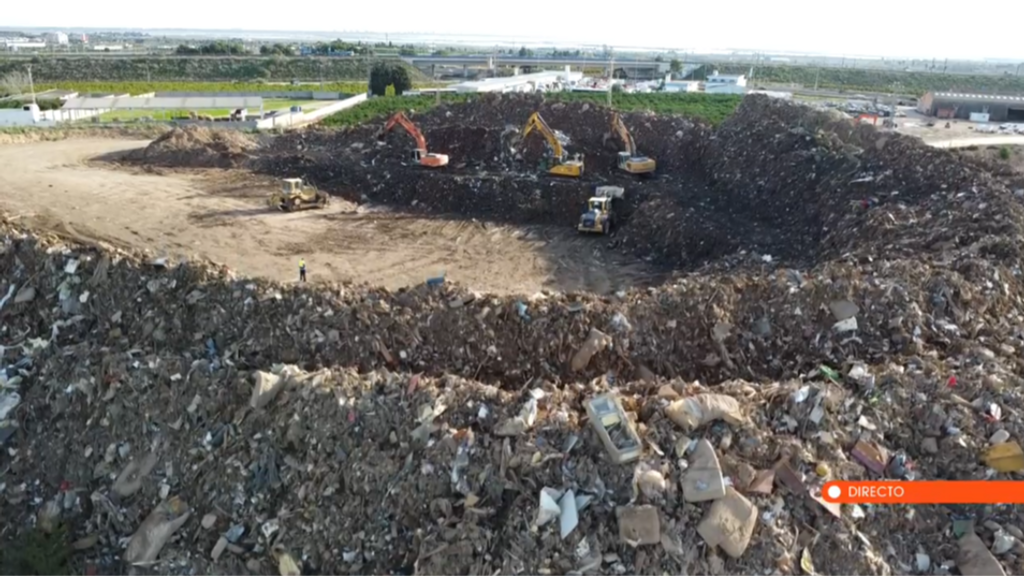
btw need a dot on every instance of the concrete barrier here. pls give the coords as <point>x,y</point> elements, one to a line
<point>295,119</point>
<point>277,94</point>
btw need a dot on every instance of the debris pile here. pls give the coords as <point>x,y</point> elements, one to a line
<point>197,147</point>
<point>170,415</point>
<point>776,179</point>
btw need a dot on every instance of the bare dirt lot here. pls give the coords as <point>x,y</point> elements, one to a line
<point>220,214</point>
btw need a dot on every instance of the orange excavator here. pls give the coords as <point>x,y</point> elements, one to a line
<point>419,154</point>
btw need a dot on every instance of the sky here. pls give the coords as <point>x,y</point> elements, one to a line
<point>860,27</point>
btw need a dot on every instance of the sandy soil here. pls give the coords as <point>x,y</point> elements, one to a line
<point>220,214</point>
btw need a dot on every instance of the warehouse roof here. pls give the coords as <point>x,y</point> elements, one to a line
<point>195,103</point>
<point>995,97</point>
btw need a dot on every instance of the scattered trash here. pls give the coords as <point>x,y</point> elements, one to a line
<point>156,530</point>
<point>614,428</point>
<point>703,479</point>
<point>729,523</point>
<point>1005,457</point>
<point>696,411</point>
<point>639,525</point>
<point>974,558</point>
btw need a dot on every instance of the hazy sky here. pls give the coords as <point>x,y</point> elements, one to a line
<point>868,27</point>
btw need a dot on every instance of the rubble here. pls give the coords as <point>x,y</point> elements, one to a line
<point>196,147</point>
<point>348,428</point>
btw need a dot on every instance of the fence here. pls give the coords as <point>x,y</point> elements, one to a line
<point>44,119</point>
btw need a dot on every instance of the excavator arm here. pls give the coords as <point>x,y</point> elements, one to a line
<point>627,138</point>
<point>538,123</point>
<point>420,153</point>
<point>400,119</point>
<point>629,159</point>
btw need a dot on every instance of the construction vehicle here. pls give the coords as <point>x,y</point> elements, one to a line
<point>297,195</point>
<point>629,160</point>
<point>419,154</point>
<point>563,166</point>
<point>599,217</point>
<point>864,118</point>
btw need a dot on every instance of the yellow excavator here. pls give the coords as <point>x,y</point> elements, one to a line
<point>629,160</point>
<point>563,166</point>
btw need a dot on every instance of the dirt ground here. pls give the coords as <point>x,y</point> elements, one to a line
<point>220,214</point>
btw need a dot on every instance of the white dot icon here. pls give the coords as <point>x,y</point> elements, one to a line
<point>834,492</point>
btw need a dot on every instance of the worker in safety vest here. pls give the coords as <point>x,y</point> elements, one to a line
<point>302,269</point>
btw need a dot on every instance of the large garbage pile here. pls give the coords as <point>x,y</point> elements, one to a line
<point>150,416</point>
<point>777,178</point>
<point>197,147</point>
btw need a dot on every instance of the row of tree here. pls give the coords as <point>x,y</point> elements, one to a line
<point>216,48</point>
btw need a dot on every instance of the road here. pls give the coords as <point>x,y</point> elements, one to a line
<point>220,214</point>
<point>1006,140</point>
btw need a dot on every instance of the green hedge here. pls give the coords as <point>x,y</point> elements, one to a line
<point>712,108</point>
<point>190,69</point>
<point>868,80</point>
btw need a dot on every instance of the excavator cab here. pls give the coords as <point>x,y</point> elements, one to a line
<point>629,160</point>
<point>561,165</point>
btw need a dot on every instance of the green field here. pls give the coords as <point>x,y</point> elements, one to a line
<point>869,80</point>
<point>135,88</point>
<point>269,105</point>
<point>711,108</point>
<point>77,68</point>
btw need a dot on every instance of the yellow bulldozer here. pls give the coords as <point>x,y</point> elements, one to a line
<point>599,217</point>
<point>297,195</point>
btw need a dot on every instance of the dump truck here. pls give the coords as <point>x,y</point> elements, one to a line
<point>629,159</point>
<point>419,154</point>
<point>563,166</point>
<point>297,195</point>
<point>600,216</point>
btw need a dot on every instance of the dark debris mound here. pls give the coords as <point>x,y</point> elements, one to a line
<point>778,179</point>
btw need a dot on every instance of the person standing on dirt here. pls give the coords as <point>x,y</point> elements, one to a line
<point>302,269</point>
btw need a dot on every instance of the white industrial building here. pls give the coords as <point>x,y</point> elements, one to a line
<point>56,38</point>
<point>539,81</point>
<point>725,84</point>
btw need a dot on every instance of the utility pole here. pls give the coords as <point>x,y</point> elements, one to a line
<point>611,78</point>
<point>31,85</point>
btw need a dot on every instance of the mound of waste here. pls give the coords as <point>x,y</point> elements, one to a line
<point>197,147</point>
<point>778,178</point>
<point>173,417</point>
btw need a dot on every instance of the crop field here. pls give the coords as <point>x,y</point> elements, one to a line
<point>865,80</point>
<point>147,87</point>
<point>712,108</point>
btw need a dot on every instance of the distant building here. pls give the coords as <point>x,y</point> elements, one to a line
<point>56,38</point>
<point>725,84</point>
<point>961,106</point>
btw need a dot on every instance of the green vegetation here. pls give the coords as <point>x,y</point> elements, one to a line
<point>380,107</point>
<point>1004,153</point>
<point>73,69</point>
<point>147,87</point>
<point>36,553</point>
<point>218,48</point>
<point>43,104</point>
<point>868,80</point>
<point>712,108</point>
<point>389,74</point>
<point>269,105</point>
